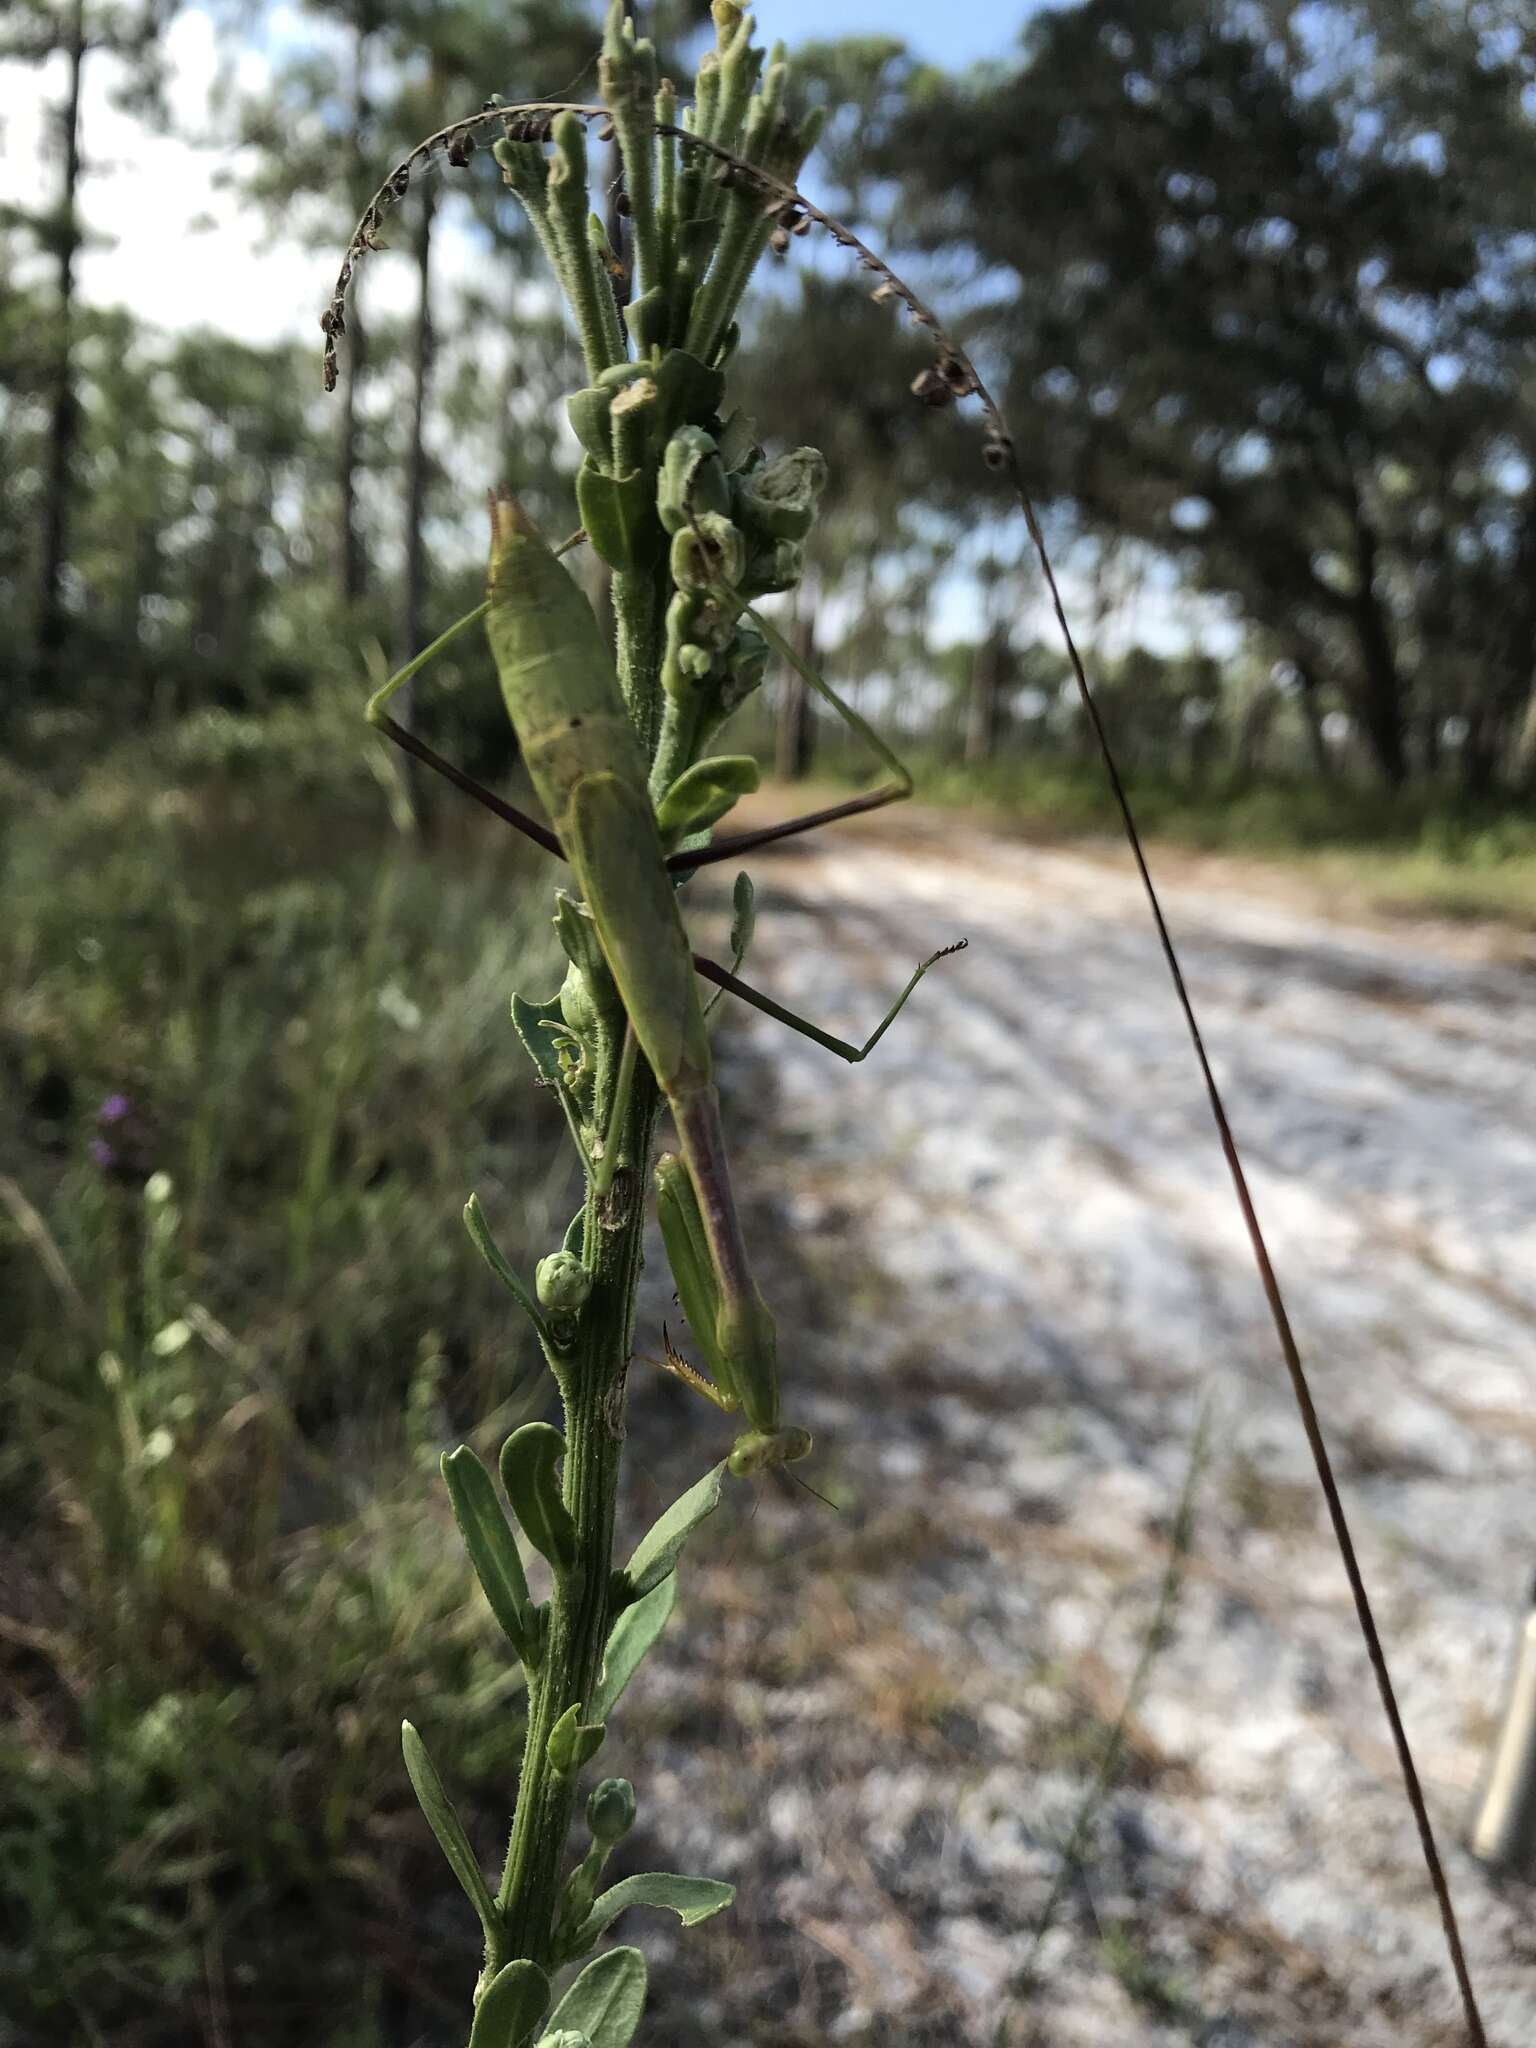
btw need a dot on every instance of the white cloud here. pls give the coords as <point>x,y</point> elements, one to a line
<point>165,240</point>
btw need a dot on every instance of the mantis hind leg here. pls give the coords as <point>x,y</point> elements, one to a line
<point>844,1048</point>
<point>891,792</point>
<point>744,842</point>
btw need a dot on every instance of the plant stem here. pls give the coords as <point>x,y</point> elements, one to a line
<point>591,1379</point>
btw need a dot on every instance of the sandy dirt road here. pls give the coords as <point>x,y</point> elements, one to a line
<point>1017,1279</point>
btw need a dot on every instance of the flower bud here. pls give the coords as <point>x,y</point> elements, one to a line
<point>611,1810</point>
<point>562,1283</point>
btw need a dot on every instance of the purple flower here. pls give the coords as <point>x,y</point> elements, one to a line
<point>124,1146</point>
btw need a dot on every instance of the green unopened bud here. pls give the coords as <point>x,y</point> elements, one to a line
<point>524,167</point>
<point>562,1283</point>
<point>611,1810</point>
<point>709,553</point>
<point>628,62</point>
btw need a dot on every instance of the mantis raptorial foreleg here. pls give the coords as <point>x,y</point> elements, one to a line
<point>379,718</point>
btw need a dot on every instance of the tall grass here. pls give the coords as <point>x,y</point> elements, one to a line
<point>254,1045</point>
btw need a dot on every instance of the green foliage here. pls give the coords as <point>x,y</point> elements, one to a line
<point>692,1899</point>
<point>605,2003</point>
<point>492,1549</point>
<point>529,1458</point>
<point>510,2007</point>
<point>573,1742</point>
<point>233,1325</point>
<point>636,1629</point>
<point>448,1828</point>
<point>656,1554</point>
<point>1287,344</point>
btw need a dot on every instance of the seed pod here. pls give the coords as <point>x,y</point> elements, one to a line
<point>777,501</point>
<point>692,480</point>
<point>931,388</point>
<point>708,553</point>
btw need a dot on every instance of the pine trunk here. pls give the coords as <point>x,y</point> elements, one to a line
<point>795,733</point>
<point>64,415</point>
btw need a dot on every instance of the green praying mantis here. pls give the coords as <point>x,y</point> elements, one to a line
<point>584,759</point>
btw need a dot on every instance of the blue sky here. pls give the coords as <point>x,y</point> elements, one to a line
<point>950,31</point>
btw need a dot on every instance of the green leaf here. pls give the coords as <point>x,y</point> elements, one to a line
<point>631,1636</point>
<point>738,440</point>
<point>528,1460</point>
<point>744,918</point>
<point>606,2001</point>
<point>543,1048</point>
<point>703,794</point>
<point>692,1899</point>
<point>448,1828</point>
<point>480,1237</point>
<point>492,1548</point>
<point>657,1551</point>
<point>529,1020</point>
<point>564,2039</point>
<point>510,2007</point>
<point>619,515</point>
<point>573,1742</point>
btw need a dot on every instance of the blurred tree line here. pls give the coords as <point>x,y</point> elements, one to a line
<point>1258,281</point>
